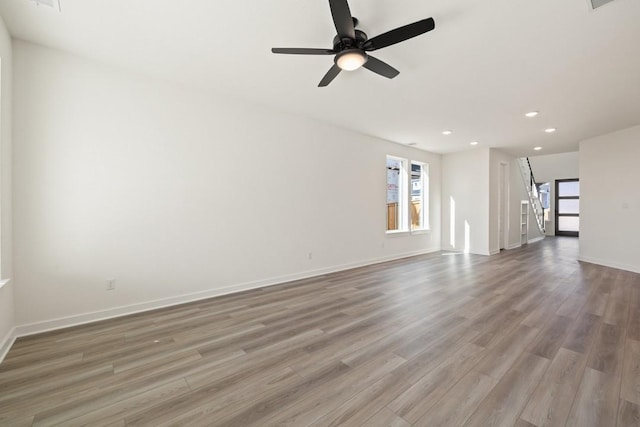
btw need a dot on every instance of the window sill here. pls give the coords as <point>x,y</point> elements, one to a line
<point>397,233</point>
<point>4,282</point>
<point>421,231</point>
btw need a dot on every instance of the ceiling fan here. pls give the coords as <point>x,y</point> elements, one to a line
<point>350,46</point>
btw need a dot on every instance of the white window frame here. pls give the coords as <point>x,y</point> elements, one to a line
<point>403,197</point>
<point>424,214</point>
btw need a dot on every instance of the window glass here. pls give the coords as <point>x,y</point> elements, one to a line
<point>569,189</point>
<point>396,194</point>
<point>419,207</point>
<point>569,206</point>
<point>569,223</point>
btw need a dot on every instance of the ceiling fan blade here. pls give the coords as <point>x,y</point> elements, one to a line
<point>331,74</point>
<point>399,34</point>
<point>342,19</point>
<point>380,67</point>
<point>302,51</point>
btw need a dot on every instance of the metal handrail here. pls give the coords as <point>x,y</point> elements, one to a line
<point>532,190</point>
<point>534,184</point>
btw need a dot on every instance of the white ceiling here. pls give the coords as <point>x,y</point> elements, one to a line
<point>484,66</point>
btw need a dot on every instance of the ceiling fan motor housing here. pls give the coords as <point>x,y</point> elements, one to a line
<point>342,44</point>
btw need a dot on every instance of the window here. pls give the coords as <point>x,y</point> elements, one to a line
<point>544,190</point>
<point>419,196</point>
<point>397,212</point>
<point>407,195</point>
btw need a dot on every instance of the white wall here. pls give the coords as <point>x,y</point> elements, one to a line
<point>465,182</point>
<point>7,318</point>
<point>555,166</point>
<point>610,200</point>
<point>179,194</point>
<point>471,180</point>
<point>516,192</point>
<point>549,168</point>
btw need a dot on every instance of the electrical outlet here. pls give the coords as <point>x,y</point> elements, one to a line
<point>310,255</point>
<point>111,284</point>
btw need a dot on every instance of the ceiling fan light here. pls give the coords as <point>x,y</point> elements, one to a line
<point>351,59</point>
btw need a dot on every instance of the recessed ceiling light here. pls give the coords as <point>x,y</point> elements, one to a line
<point>550,130</point>
<point>474,143</point>
<point>447,132</point>
<point>537,148</point>
<point>532,113</point>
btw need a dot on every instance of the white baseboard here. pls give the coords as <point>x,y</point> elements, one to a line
<point>612,264</point>
<point>519,244</point>
<point>483,253</point>
<point>80,319</point>
<point>536,239</point>
<point>6,343</point>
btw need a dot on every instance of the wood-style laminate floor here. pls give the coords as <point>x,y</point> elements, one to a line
<point>529,337</point>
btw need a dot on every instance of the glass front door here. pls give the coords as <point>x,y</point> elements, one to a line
<point>568,207</point>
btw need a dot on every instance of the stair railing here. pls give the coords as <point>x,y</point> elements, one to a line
<point>535,200</point>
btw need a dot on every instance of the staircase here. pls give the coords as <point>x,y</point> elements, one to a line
<point>532,190</point>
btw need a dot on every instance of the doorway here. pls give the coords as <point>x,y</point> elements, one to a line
<point>567,213</point>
